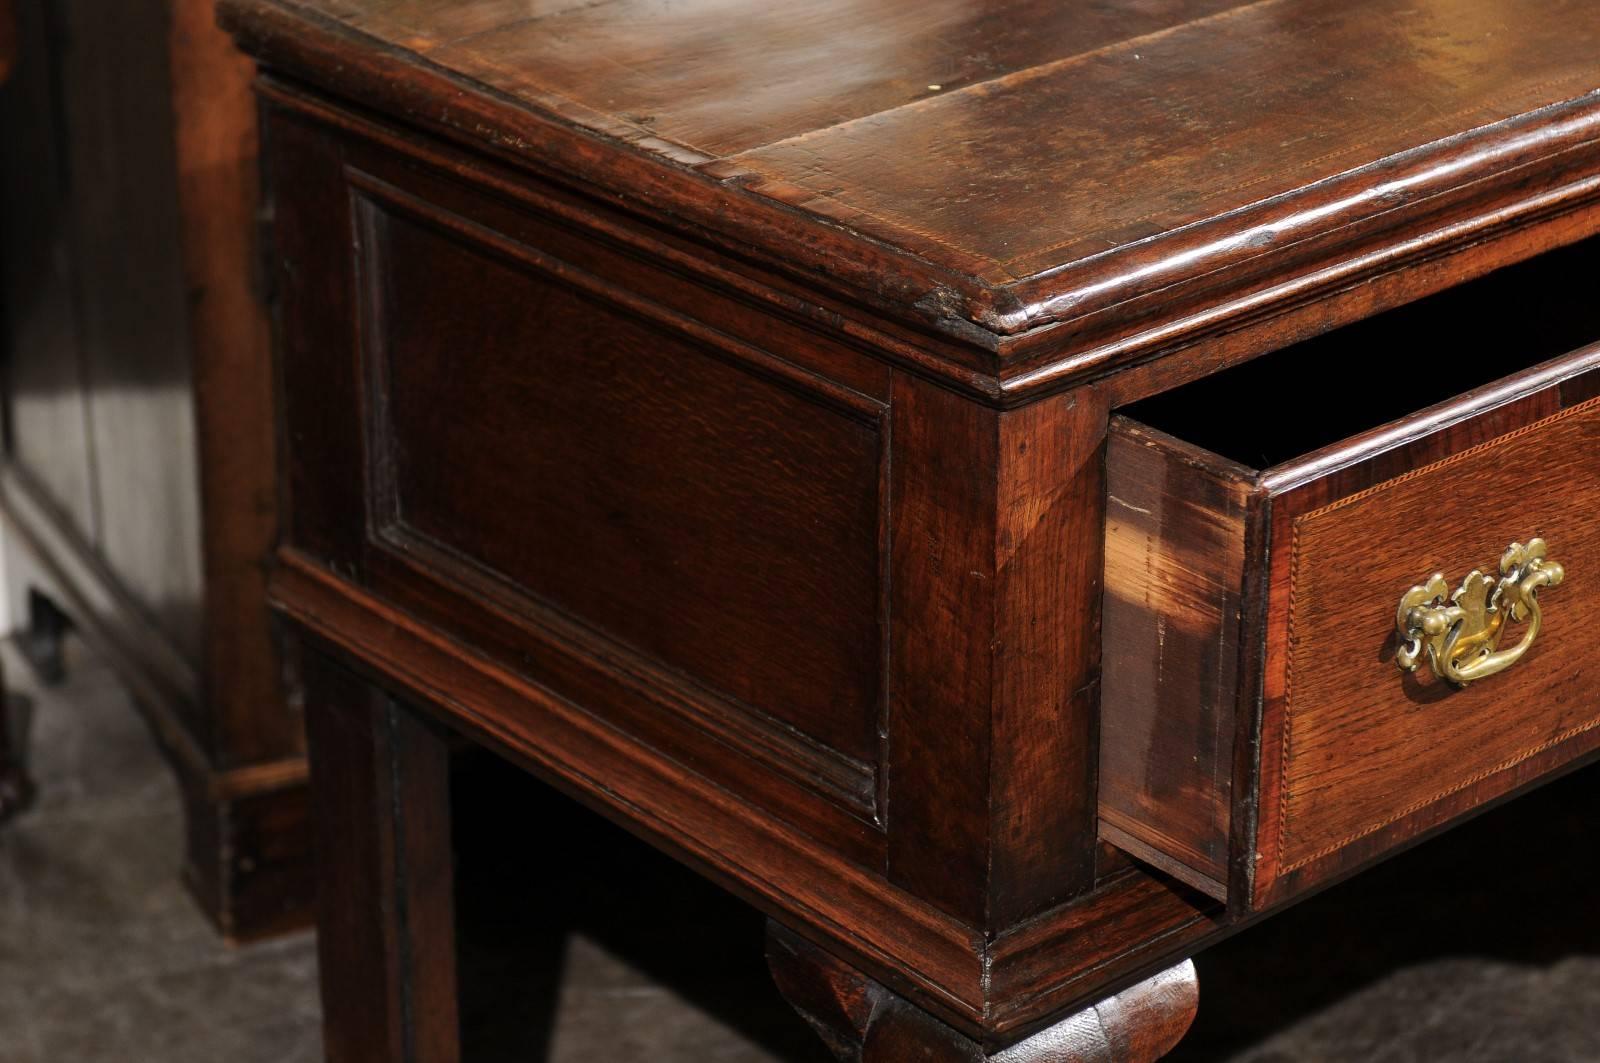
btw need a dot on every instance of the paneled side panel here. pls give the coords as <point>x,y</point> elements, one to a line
<point>700,506</point>
<point>1174,567</point>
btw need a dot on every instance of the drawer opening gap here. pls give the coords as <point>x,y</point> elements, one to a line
<point>1320,391</point>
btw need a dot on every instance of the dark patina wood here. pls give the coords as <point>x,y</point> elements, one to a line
<point>8,39</point>
<point>1346,760</point>
<point>1354,758</point>
<point>807,438</point>
<point>385,927</point>
<point>1349,187</point>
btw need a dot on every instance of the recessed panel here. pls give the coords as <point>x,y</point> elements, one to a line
<point>703,510</point>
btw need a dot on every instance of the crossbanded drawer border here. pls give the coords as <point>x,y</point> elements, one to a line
<point>1286,741</point>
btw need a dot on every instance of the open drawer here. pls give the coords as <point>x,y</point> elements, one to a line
<point>1259,735</point>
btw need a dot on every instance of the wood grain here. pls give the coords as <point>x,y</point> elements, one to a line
<point>903,940</point>
<point>1174,572</point>
<point>1448,126</point>
<point>1366,756</point>
<point>808,745</point>
<point>236,430</point>
<point>834,138</point>
<point>1049,966</point>
<point>1155,132</point>
<point>995,534</point>
<point>1350,757</point>
<point>325,507</point>
<point>941,582</point>
<point>1050,506</point>
<point>385,919</point>
<point>798,68</point>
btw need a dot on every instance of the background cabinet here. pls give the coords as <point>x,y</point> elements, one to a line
<point>139,449</point>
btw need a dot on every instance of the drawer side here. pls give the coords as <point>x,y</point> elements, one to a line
<point>1174,568</point>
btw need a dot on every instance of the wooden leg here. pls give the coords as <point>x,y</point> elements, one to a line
<point>380,791</point>
<point>16,789</point>
<point>41,642</point>
<point>862,1022</point>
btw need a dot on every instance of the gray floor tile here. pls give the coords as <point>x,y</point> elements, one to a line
<point>609,1009</point>
<point>102,953</point>
<point>251,1010</point>
<point>1457,1010</point>
<point>100,899</point>
<point>89,751</point>
<point>19,1041</point>
<point>646,1023</point>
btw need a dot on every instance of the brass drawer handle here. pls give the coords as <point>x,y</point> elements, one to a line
<point>1462,636</point>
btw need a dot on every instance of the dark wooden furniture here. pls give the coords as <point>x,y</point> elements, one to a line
<point>8,39</point>
<point>140,445</point>
<point>15,787</point>
<point>950,473</point>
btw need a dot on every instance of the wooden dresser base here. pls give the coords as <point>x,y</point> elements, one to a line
<point>862,1022</point>
<point>386,920</point>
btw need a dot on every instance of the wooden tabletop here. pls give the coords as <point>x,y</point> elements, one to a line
<point>1036,148</point>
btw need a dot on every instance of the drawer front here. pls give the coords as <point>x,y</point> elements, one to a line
<point>1358,755</point>
<point>1258,735</point>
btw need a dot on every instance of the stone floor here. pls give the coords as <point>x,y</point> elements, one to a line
<point>102,955</point>
<point>579,944</point>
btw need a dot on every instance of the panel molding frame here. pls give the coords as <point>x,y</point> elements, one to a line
<point>853,785</point>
